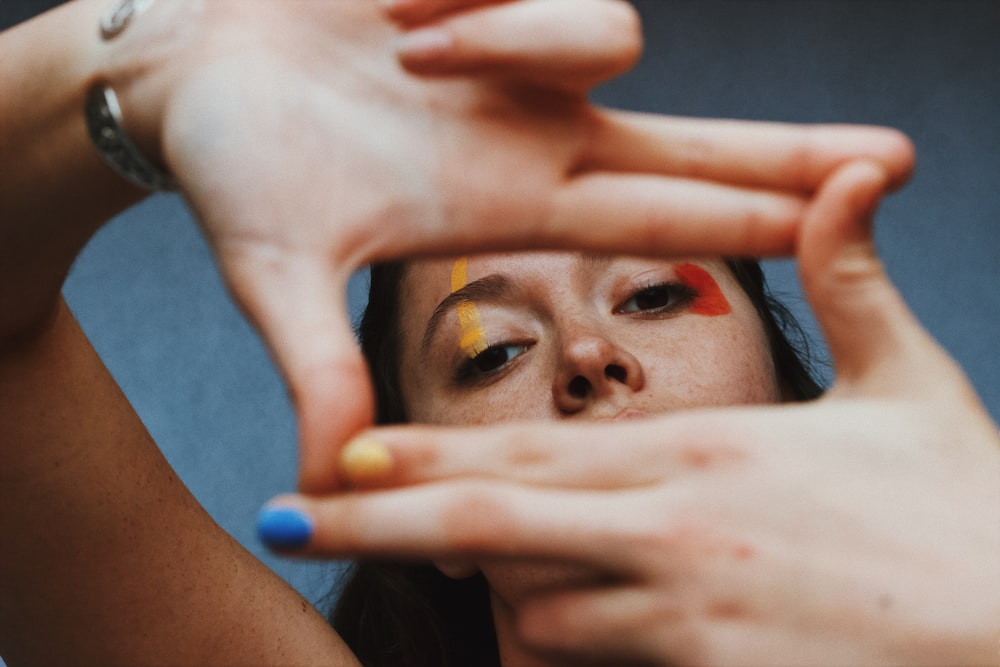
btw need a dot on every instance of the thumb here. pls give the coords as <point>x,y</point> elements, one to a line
<point>596,40</point>
<point>867,325</point>
<point>298,303</point>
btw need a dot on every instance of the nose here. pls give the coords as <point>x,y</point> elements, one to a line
<point>594,368</point>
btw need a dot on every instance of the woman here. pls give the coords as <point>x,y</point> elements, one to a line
<point>801,534</point>
<point>631,338</point>
<point>107,559</point>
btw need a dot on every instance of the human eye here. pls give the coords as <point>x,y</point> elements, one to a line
<point>656,299</point>
<point>489,362</point>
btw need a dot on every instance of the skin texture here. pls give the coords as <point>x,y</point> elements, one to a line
<point>563,313</point>
<point>585,349</point>
<point>106,536</point>
<point>315,72</point>
<point>860,528</point>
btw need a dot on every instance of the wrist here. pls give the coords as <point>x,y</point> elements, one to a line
<point>104,117</point>
<point>142,62</point>
<point>55,190</point>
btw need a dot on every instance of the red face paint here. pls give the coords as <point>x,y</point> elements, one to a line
<point>710,300</point>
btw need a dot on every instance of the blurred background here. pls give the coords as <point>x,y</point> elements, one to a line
<point>148,294</point>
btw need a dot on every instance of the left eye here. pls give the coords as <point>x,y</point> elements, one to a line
<point>656,298</point>
<point>492,358</point>
<point>488,363</point>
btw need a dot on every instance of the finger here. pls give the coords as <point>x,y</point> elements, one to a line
<point>651,214</point>
<point>781,156</point>
<point>297,303</point>
<point>412,12</point>
<point>841,273</point>
<point>870,330</point>
<point>595,41</point>
<point>665,625</point>
<point>623,622</point>
<point>462,519</point>
<point>637,214</point>
<point>617,456</point>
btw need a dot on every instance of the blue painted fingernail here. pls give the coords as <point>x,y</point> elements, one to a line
<point>284,527</point>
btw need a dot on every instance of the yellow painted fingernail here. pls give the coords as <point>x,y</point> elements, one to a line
<point>366,459</point>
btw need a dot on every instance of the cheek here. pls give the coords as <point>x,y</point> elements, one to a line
<point>517,399</point>
<point>753,378</point>
<point>717,361</point>
<point>730,358</point>
<point>734,366</point>
<point>525,395</point>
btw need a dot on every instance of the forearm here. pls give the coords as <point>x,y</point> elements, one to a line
<point>107,558</point>
<point>55,191</point>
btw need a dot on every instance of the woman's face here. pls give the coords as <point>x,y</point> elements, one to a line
<point>549,335</point>
<point>572,336</point>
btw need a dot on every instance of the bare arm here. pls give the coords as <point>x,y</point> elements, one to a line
<point>55,192</point>
<point>107,558</point>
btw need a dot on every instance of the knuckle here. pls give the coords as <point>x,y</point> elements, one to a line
<point>520,449</point>
<point>677,536</point>
<point>856,274</point>
<point>802,167</point>
<point>770,226</point>
<point>418,454</point>
<point>477,521</point>
<point>705,456</point>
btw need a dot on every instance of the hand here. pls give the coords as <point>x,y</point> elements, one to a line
<point>305,151</point>
<point>861,528</point>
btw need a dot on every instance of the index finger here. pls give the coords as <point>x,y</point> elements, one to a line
<point>615,456</point>
<point>458,519</point>
<point>648,184</point>
<point>781,156</point>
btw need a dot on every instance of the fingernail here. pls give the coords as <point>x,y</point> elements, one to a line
<point>424,43</point>
<point>365,459</point>
<point>284,527</point>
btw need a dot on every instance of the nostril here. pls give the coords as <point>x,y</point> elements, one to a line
<point>616,372</point>
<point>579,387</point>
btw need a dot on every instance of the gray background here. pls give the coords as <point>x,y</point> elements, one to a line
<point>147,292</point>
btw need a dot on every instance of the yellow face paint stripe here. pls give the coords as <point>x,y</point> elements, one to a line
<point>473,340</point>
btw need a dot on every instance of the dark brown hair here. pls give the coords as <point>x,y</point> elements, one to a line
<point>396,614</point>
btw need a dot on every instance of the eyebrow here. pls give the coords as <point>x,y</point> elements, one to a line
<point>595,260</point>
<point>488,288</point>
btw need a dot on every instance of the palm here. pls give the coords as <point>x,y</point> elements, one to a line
<point>305,157</point>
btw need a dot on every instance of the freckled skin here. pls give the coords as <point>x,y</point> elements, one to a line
<point>685,361</point>
<point>713,352</point>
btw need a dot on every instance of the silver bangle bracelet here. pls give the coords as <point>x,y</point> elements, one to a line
<point>107,131</point>
<point>104,114</point>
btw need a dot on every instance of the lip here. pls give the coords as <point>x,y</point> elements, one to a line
<point>628,414</point>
